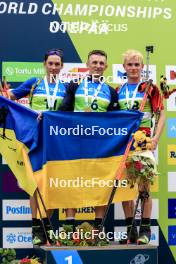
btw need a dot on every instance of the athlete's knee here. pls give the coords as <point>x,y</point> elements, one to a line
<point>128,203</point>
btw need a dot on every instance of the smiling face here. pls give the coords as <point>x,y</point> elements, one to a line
<point>97,64</point>
<point>53,65</point>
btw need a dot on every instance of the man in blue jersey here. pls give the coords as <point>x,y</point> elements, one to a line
<point>91,94</point>
<point>44,94</point>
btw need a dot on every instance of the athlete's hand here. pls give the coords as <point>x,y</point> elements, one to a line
<point>154,143</point>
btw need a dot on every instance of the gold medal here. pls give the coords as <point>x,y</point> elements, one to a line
<point>87,109</point>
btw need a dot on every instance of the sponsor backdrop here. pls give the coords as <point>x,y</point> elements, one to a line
<point>29,28</point>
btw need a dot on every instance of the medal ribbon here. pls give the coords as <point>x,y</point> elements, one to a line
<point>129,106</point>
<point>86,92</point>
<point>51,98</point>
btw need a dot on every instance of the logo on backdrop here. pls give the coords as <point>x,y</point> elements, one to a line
<point>140,259</point>
<point>16,210</point>
<point>171,154</point>
<point>21,71</point>
<point>72,71</point>
<point>17,238</point>
<point>171,102</point>
<point>9,71</point>
<point>172,181</point>
<point>11,238</point>
<point>171,127</point>
<point>172,235</point>
<point>85,213</point>
<point>171,208</point>
<point>171,74</point>
<point>119,214</point>
<point>119,74</point>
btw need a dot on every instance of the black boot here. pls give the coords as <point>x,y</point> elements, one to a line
<point>38,235</point>
<point>132,234</point>
<point>51,236</point>
<point>144,232</point>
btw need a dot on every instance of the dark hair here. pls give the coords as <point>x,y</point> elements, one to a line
<point>57,52</point>
<point>97,52</point>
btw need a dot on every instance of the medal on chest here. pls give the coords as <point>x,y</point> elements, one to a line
<point>93,104</point>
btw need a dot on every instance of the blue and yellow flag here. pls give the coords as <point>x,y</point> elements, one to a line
<point>72,157</point>
<point>18,135</point>
<point>78,155</point>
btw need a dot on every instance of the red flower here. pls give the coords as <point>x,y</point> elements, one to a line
<point>76,240</point>
<point>138,165</point>
<point>25,260</point>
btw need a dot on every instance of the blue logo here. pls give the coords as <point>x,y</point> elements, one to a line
<point>122,75</point>
<point>172,235</point>
<point>171,127</point>
<point>11,238</point>
<point>21,210</point>
<point>20,238</point>
<point>171,208</point>
<point>140,259</point>
<point>153,237</point>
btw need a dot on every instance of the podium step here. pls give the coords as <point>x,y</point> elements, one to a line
<point>112,254</point>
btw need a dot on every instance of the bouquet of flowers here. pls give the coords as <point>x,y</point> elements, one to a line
<point>8,256</point>
<point>83,236</point>
<point>141,168</point>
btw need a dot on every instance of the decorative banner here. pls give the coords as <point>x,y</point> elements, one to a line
<point>85,213</point>
<point>21,71</point>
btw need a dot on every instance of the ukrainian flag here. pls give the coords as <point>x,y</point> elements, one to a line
<point>78,155</point>
<point>18,127</point>
<point>71,157</point>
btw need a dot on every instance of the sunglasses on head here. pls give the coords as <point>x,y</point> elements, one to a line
<point>55,52</point>
<point>133,64</point>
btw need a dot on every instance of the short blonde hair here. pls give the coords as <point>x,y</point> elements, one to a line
<point>133,54</point>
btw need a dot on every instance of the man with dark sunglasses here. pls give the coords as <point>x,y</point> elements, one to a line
<point>90,95</point>
<point>130,96</point>
<point>44,94</point>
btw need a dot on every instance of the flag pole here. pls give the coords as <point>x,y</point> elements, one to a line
<point>44,206</point>
<point>40,214</point>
